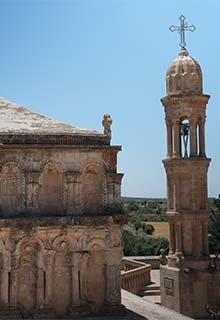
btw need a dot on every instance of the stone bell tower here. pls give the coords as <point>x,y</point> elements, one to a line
<point>188,280</point>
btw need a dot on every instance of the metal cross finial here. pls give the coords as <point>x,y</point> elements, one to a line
<point>181,29</point>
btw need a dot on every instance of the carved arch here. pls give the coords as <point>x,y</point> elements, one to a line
<point>36,248</point>
<point>96,273</point>
<point>93,188</point>
<point>97,243</point>
<point>30,270</point>
<point>60,243</point>
<point>62,273</point>
<point>52,188</point>
<point>12,187</point>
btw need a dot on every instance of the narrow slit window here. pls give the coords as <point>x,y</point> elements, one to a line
<point>9,287</point>
<point>79,285</point>
<point>45,283</point>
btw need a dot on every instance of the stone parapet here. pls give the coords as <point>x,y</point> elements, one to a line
<point>135,276</point>
<point>54,139</point>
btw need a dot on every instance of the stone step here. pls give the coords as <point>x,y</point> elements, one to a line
<point>152,287</point>
<point>151,293</point>
<point>152,299</point>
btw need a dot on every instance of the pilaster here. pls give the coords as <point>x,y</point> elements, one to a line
<point>73,192</point>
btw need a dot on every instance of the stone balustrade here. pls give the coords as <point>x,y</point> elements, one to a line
<point>154,261</point>
<point>135,275</point>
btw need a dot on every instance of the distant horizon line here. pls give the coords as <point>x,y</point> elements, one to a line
<point>152,198</point>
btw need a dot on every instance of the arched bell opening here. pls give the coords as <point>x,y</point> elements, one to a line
<point>184,138</point>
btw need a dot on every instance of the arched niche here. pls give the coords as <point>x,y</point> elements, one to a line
<point>30,274</point>
<point>62,275</point>
<point>11,189</point>
<point>51,189</point>
<point>93,189</point>
<point>96,274</point>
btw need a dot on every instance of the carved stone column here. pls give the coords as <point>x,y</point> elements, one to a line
<point>32,190</point>
<point>40,299</point>
<point>117,188</point>
<point>113,276</point>
<point>178,237</point>
<point>83,266</point>
<point>169,139</point>
<point>75,280</point>
<point>176,139</point>
<point>202,152</point>
<point>110,189</point>
<point>79,304</point>
<point>73,192</point>
<point>114,189</point>
<point>13,285</point>
<point>193,138</point>
<point>172,238</point>
<point>49,276</point>
<point>4,287</point>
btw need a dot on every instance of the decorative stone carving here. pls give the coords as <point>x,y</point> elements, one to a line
<point>163,258</point>
<point>11,189</point>
<point>73,192</point>
<point>32,190</point>
<point>107,122</point>
<point>51,189</point>
<point>93,189</point>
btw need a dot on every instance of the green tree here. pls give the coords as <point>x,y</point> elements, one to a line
<point>143,245</point>
<point>148,228</point>
<point>214,227</point>
<point>214,232</point>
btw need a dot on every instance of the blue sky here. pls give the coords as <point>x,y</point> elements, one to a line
<point>75,60</point>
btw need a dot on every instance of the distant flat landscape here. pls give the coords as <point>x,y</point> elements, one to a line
<point>161,229</point>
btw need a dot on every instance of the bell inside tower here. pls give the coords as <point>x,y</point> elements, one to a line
<point>185,132</point>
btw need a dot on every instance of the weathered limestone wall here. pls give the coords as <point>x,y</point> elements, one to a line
<point>60,230</point>
<point>58,180</point>
<point>60,267</point>
<point>187,290</point>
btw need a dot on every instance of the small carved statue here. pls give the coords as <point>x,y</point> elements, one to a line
<point>179,258</point>
<point>163,258</point>
<point>107,122</point>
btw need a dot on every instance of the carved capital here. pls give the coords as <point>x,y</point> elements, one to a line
<point>49,258</point>
<point>32,177</point>
<point>73,177</point>
<point>114,178</point>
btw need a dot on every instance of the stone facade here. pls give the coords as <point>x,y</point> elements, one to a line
<point>189,278</point>
<point>60,220</point>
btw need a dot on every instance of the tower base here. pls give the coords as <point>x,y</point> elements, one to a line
<point>186,287</point>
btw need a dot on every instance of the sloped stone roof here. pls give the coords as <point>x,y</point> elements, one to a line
<point>17,120</point>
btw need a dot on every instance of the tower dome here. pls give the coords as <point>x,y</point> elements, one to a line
<point>184,75</point>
